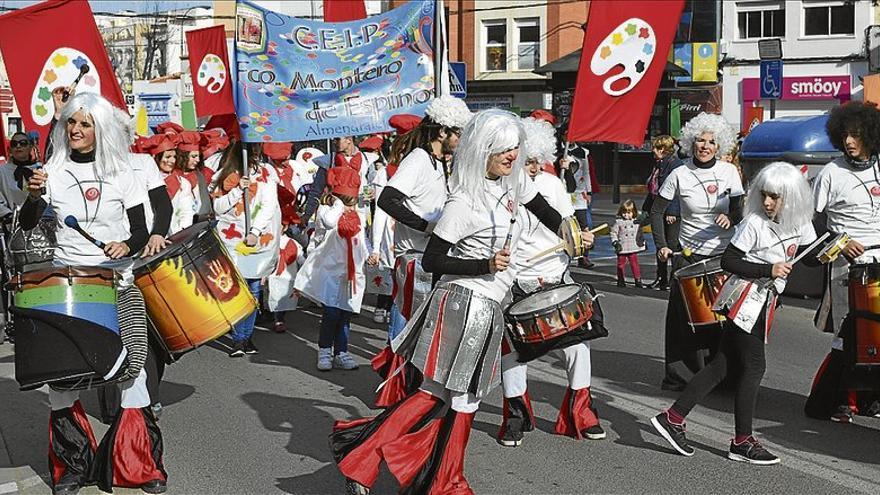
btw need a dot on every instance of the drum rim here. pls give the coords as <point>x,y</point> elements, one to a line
<point>704,263</point>
<point>547,310</point>
<point>177,247</point>
<point>73,272</point>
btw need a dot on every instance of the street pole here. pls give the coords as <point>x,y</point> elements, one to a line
<point>615,174</point>
<point>773,109</point>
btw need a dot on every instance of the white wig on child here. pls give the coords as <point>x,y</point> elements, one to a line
<point>112,140</point>
<point>540,140</point>
<point>489,132</point>
<point>725,137</point>
<point>790,184</point>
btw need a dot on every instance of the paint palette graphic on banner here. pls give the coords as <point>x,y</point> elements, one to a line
<point>631,44</point>
<point>212,73</point>
<point>300,80</point>
<point>60,69</point>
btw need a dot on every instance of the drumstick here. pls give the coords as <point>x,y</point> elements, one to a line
<point>71,222</point>
<point>561,245</point>
<point>810,247</point>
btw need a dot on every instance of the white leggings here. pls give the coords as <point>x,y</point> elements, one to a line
<point>134,394</point>
<point>462,402</point>
<point>577,365</point>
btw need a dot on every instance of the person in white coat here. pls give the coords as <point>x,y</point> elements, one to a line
<point>333,273</point>
<point>162,147</point>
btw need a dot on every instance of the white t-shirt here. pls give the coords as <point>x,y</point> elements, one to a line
<point>851,200</point>
<point>536,237</point>
<point>421,178</point>
<point>99,205</point>
<point>704,193</point>
<point>764,241</point>
<point>148,176</point>
<point>478,229</point>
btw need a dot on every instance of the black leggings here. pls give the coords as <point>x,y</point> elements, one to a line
<point>741,355</point>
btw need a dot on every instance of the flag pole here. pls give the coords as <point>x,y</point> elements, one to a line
<point>438,48</point>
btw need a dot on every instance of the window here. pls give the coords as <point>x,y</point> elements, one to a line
<point>495,33</point>
<point>761,23</point>
<point>528,46</point>
<point>830,20</point>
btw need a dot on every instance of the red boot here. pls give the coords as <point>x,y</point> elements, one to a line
<point>356,444</point>
<point>431,461</point>
<point>72,448</point>
<point>518,418</point>
<point>577,416</point>
<point>130,454</point>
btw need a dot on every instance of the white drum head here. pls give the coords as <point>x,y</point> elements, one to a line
<point>544,300</point>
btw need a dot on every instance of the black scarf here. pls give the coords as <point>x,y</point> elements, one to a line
<point>860,165</point>
<point>79,157</point>
<point>699,164</point>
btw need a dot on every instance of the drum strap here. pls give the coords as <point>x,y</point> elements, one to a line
<point>864,315</point>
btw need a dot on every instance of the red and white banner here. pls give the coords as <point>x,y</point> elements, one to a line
<point>752,116</point>
<point>212,87</point>
<point>622,61</point>
<point>44,46</point>
<point>344,10</point>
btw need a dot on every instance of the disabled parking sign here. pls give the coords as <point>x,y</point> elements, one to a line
<point>771,79</point>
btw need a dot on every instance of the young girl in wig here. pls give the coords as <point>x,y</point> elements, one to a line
<point>454,338</point>
<point>778,220</point>
<point>333,273</point>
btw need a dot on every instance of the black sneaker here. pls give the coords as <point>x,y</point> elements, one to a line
<point>874,410</point>
<point>66,488</point>
<point>594,433</point>
<point>513,433</point>
<point>154,486</point>
<point>751,452</point>
<point>250,348</point>
<point>237,349</point>
<point>674,434</point>
<point>354,488</point>
<point>621,282</point>
<point>843,415</point>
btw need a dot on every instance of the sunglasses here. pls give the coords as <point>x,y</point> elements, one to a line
<point>16,143</point>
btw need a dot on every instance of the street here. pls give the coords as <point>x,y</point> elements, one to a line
<point>259,424</point>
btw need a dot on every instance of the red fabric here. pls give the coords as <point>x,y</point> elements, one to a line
<point>576,415</point>
<point>391,169</point>
<point>55,465</point>
<point>159,143</point>
<point>395,387</point>
<point>208,174</point>
<point>381,362</point>
<point>345,425</point>
<point>172,183</point>
<point>362,463</point>
<point>372,143</point>
<point>348,226</point>
<point>344,180</point>
<point>544,115</point>
<point>597,115</point>
<point>133,463</point>
<point>404,122</point>
<point>278,151</point>
<point>407,455</point>
<point>213,140</point>
<point>550,169</point>
<point>189,141</point>
<point>408,287</point>
<point>192,178</point>
<point>595,187</point>
<point>287,256</point>
<point>344,10</point>
<point>28,40</point>
<point>752,116</point>
<point>209,68</point>
<point>434,349</point>
<point>228,122</point>
<point>449,478</point>
<point>169,127</point>
<point>354,163</point>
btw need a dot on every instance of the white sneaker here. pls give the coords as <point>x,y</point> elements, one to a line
<point>379,316</point>
<point>343,360</point>
<point>325,359</point>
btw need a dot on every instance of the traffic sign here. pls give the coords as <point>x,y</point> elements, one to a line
<point>771,79</point>
<point>458,79</point>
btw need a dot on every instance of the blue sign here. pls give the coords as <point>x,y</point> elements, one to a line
<point>771,79</point>
<point>458,79</point>
<point>301,80</point>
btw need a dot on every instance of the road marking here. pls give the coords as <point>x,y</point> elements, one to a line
<point>10,487</point>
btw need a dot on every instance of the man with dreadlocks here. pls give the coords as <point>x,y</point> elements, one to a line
<point>847,192</point>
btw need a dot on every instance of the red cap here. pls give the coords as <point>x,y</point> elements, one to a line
<point>404,122</point>
<point>213,140</point>
<point>140,145</point>
<point>169,128</point>
<point>544,115</point>
<point>189,141</point>
<point>372,143</point>
<point>278,151</point>
<point>344,180</point>
<point>160,143</point>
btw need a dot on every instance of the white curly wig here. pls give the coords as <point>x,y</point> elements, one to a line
<point>790,184</point>
<point>112,137</point>
<point>449,111</point>
<point>725,136</point>
<point>489,132</point>
<point>540,140</point>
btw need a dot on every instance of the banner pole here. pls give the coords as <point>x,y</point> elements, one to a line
<point>246,174</point>
<point>438,49</point>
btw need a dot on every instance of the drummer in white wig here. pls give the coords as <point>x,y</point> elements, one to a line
<point>535,273</point>
<point>775,230</point>
<point>454,338</point>
<point>710,192</point>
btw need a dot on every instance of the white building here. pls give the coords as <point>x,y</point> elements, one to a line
<point>823,46</point>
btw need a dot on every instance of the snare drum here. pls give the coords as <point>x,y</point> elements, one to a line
<point>700,284</point>
<point>832,250</point>
<point>550,313</point>
<point>412,284</point>
<point>193,292</point>
<point>66,327</point>
<point>864,299</point>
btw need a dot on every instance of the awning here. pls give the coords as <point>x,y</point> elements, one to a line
<point>570,62</point>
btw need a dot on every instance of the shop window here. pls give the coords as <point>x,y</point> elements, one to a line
<point>829,20</point>
<point>528,46</point>
<point>495,34</point>
<point>767,22</point>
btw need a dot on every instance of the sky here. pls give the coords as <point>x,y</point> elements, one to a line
<point>119,5</point>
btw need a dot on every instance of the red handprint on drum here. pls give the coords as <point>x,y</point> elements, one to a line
<point>223,284</point>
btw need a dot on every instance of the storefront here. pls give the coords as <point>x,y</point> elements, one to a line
<point>801,95</point>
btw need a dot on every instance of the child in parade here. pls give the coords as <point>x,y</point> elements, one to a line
<point>278,155</point>
<point>628,241</point>
<point>776,227</point>
<point>333,273</point>
<point>190,164</point>
<point>163,148</point>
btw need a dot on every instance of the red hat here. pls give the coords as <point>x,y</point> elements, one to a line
<point>213,140</point>
<point>189,141</point>
<point>544,115</point>
<point>372,143</point>
<point>404,122</point>
<point>169,128</point>
<point>160,143</point>
<point>278,151</point>
<point>344,181</point>
<point>140,145</point>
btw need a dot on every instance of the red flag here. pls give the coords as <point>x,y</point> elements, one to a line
<point>752,116</point>
<point>44,46</point>
<point>228,122</point>
<point>622,61</point>
<point>212,86</point>
<point>344,10</point>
